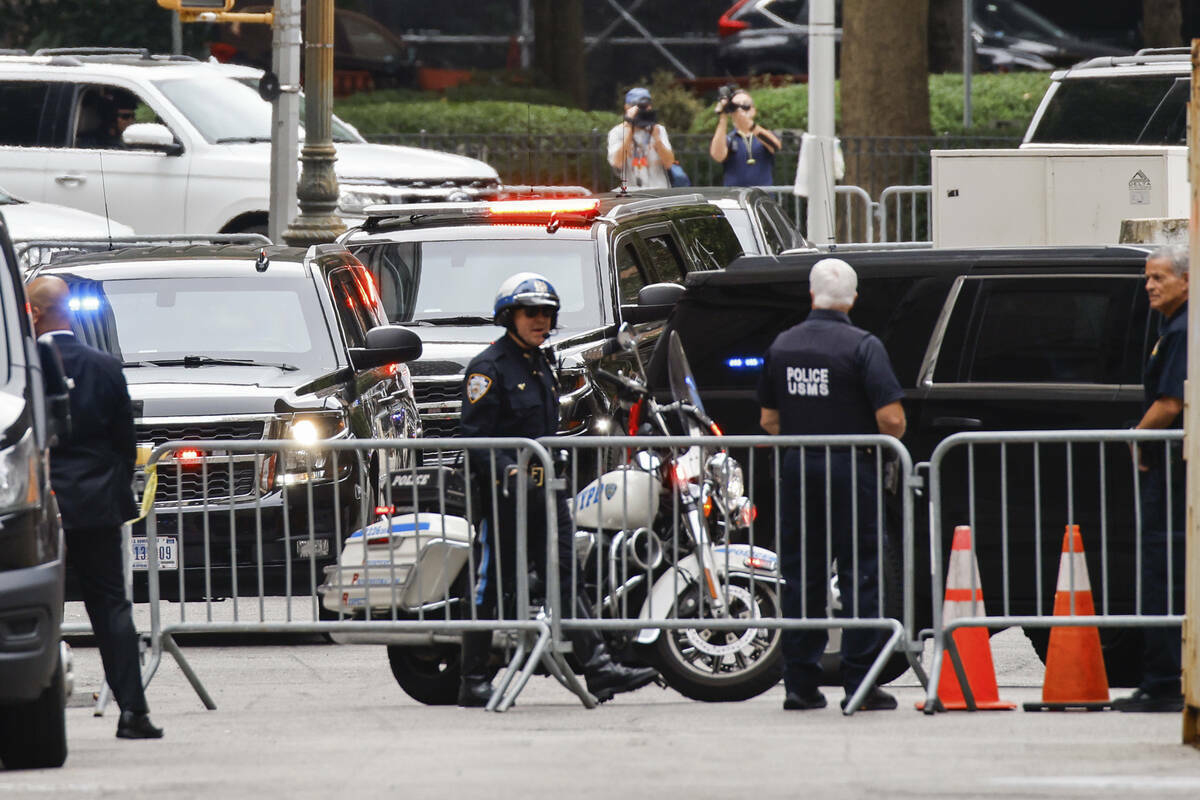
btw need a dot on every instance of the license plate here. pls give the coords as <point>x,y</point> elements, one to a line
<point>168,548</point>
<point>309,549</point>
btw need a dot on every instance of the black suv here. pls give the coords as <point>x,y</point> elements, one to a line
<point>245,343</point>
<point>613,258</point>
<point>987,339</point>
<point>34,664</point>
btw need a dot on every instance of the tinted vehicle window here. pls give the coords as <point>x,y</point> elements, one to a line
<point>742,227</point>
<point>354,302</point>
<point>22,103</point>
<point>260,318</point>
<point>1106,110</point>
<point>665,257</point>
<point>771,238</point>
<point>713,243</point>
<point>1056,330</point>
<point>442,280</point>
<point>631,275</point>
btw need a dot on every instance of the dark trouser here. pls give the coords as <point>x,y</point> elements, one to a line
<point>94,554</point>
<point>805,561</point>
<point>496,584</point>
<point>1162,657</point>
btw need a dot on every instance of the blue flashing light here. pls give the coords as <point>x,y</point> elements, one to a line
<point>744,362</point>
<point>84,303</point>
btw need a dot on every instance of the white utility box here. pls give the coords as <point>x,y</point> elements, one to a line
<point>1053,195</point>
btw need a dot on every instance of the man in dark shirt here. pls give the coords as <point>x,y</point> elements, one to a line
<point>827,377</point>
<point>511,390</point>
<point>1163,589</point>
<point>91,471</point>
<point>748,151</point>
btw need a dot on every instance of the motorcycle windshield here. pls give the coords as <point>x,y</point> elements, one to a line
<point>683,382</point>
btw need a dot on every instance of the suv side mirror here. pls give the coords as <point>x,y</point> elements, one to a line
<point>151,136</point>
<point>57,391</point>
<point>655,302</point>
<point>386,344</point>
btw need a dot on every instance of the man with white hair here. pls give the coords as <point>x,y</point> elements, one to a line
<point>827,377</point>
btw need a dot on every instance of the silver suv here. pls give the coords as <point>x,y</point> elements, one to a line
<point>168,144</point>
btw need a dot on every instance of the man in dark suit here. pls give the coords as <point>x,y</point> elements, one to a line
<point>91,471</point>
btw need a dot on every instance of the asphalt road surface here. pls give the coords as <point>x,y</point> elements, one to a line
<point>326,721</point>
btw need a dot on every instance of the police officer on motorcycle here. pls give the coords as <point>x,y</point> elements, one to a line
<point>511,390</point>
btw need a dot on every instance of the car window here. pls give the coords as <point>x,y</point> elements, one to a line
<point>150,319</point>
<point>779,225</point>
<point>713,242</point>
<point>366,39</point>
<point>772,241</point>
<point>786,11</point>
<point>665,259</point>
<point>743,228</point>
<point>1105,110</point>
<point>355,306</point>
<point>1048,330</point>
<point>103,112</point>
<point>23,103</point>
<point>440,280</point>
<point>631,273</point>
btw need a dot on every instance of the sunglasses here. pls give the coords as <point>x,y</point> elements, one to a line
<point>538,311</point>
<point>743,107</point>
<point>125,115</point>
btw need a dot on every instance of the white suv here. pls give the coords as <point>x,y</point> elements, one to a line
<point>168,144</point>
<point>1126,100</point>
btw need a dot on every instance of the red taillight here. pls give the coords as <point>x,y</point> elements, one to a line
<point>382,511</point>
<point>534,209</point>
<point>383,539</point>
<point>727,26</point>
<point>188,457</point>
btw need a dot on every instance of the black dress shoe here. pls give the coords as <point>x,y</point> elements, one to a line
<point>876,700</point>
<point>804,701</point>
<point>613,679</point>
<point>134,725</point>
<point>474,692</point>
<point>1141,700</point>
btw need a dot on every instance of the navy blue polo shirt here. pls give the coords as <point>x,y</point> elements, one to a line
<point>740,173</point>
<point>826,377</point>
<point>1167,367</point>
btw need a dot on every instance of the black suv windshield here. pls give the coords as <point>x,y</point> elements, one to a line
<point>1117,110</point>
<point>148,320</point>
<point>455,282</point>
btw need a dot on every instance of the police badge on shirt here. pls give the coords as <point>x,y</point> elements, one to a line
<point>477,386</point>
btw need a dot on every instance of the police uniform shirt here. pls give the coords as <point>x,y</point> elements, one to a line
<point>1167,367</point>
<point>826,376</point>
<point>509,391</point>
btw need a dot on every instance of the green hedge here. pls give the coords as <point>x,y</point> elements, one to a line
<point>1001,105</point>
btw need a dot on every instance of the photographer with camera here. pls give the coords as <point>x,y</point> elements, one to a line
<point>748,152</point>
<point>638,148</point>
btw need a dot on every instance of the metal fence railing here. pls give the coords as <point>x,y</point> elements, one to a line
<point>581,158</point>
<point>1020,492</point>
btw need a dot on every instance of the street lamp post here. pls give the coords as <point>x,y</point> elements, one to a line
<point>318,189</point>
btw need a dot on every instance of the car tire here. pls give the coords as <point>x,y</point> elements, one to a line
<point>1122,648</point>
<point>429,675</point>
<point>33,735</point>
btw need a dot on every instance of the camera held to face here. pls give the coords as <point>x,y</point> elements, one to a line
<point>725,95</point>
<point>646,117</point>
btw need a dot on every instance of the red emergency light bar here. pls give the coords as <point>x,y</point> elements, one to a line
<point>533,209</point>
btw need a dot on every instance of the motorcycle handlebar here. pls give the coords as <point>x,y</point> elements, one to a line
<point>621,381</point>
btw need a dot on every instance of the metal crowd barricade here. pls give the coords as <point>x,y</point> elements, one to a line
<point>1039,482</point>
<point>636,580</point>
<point>248,509</point>
<point>894,202</point>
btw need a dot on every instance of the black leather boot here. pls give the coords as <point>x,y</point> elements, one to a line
<point>604,676</point>
<point>475,683</point>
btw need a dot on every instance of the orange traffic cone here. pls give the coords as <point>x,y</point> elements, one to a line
<point>1075,676</point>
<point>974,649</point>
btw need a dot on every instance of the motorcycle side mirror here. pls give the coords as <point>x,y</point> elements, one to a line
<point>625,337</point>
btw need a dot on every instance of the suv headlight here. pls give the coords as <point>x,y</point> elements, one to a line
<point>18,475</point>
<point>726,474</point>
<point>355,199</point>
<point>311,463</point>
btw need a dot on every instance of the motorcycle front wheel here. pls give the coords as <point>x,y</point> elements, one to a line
<point>724,665</point>
<point>428,675</point>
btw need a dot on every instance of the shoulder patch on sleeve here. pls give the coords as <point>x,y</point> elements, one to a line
<point>477,386</point>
